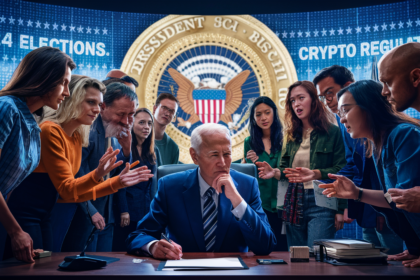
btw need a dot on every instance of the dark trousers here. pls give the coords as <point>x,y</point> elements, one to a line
<point>276,224</point>
<point>102,240</point>
<point>120,235</point>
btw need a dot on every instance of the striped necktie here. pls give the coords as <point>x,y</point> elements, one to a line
<point>209,220</point>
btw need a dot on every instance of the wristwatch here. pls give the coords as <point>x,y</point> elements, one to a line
<point>359,198</point>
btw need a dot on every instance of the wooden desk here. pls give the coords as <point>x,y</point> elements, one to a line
<point>147,269</point>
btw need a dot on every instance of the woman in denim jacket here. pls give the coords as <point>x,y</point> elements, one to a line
<point>314,148</point>
<point>396,139</point>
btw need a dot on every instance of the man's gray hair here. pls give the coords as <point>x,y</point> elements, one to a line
<point>208,129</point>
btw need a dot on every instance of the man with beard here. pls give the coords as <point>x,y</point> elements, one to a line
<point>164,113</point>
<point>111,128</point>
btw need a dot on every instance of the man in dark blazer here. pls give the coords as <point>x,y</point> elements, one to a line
<point>112,127</point>
<point>209,209</point>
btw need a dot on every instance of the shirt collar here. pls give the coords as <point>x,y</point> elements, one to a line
<point>28,117</point>
<point>203,185</point>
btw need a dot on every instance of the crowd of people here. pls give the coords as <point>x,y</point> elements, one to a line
<point>78,157</point>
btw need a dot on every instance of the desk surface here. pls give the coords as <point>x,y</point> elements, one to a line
<point>147,269</point>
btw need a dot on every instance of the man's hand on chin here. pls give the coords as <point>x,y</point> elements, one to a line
<point>125,139</point>
<point>165,251</point>
<point>229,188</point>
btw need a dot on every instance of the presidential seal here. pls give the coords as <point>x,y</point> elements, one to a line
<point>216,66</point>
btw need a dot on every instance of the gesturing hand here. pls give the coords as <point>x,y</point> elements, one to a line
<point>342,187</point>
<point>125,219</point>
<point>107,163</point>
<point>251,155</point>
<point>132,177</point>
<point>165,251</point>
<point>230,189</point>
<point>299,174</point>
<point>408,200</point>
<point>265,170</point>
<point>22,247</point>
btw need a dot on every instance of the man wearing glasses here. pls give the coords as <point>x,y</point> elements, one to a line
<point>360,168</point>
<point>164,112</point>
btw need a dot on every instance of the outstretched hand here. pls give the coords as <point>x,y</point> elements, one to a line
<point>342,187</point>
<point>107,163</point>
<point>132,177</point>
<point>299,174</point>
<point>265,170</point>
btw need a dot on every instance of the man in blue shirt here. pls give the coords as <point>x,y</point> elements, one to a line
<point>360,169</point>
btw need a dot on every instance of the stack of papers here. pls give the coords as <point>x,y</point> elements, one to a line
<point>350,249</point>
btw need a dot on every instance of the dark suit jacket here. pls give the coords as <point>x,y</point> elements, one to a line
<point>177,207</point>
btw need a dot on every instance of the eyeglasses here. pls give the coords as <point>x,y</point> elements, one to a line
<point>326,97</point>
<point>342,112</point>
<point>170,111</point>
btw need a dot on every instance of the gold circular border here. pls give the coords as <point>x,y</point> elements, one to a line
<point>196,40</point>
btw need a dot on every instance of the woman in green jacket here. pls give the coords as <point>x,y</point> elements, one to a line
<point>314,148</point>
<point>264,144</point>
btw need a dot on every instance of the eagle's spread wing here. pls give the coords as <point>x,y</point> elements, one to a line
<point>184,94</point>
<point>234,95</point>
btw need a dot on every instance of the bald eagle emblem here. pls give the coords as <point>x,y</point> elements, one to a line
<point>207,100</point>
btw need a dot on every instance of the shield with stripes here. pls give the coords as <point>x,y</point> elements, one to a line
<point>209,104</point>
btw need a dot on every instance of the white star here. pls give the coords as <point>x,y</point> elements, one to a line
<point>409,23</point>
<point>38,24</point>
<point>392,25</point>
<point>96,30</point>
<point>88,29</point>
<point>284,34</point>
<point>308,70</point>
<point>80,65</point>
<point>349,30</point>
<point>308,33</point>
<point>300,33</point>
<point>30,23</point>
<point>89,66</point>
<point>367,28</point>
<point>2,19</point>
<point>384,26</point>
<point>11,20</point>
<point>105,31</point>
<point>316,33</point>
<point>401,24</point>
<point>14,59</point>
<point>332,32</point>
<point>324,32</point>
<point>63,27</point>
<point>418,22</point>
<point>5,58</point>
<point>80,29</point>
<point>72,28</point>
<point>358,30</point>
<point>46,25</point>
<point>277,33</point>
<point>104,66</point>
<point>358,67</point>
<point>55,26</point>
<point>317,69</point>
<point>340,31</point>
<point>376,28</point>
<point>292,34</point>
<point>20,21</point>
<point>350,68</point>
<point>96,66</point>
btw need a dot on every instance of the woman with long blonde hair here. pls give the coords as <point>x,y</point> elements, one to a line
<point>64,132</point>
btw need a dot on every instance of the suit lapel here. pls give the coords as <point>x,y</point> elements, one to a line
<point>193,206</point>
<point>224,218</point>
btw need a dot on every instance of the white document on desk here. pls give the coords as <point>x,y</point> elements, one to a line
<point>205,264</point>
<point>321,200</point>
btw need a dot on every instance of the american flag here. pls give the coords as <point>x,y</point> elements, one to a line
<point>209,104</point>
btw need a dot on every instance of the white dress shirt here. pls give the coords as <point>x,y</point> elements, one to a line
<point>238,212</point>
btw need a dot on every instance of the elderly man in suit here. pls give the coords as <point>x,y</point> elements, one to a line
<point>208,209</point>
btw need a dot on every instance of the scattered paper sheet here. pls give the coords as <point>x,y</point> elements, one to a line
<point>214,263</point>
<point>321,200</point>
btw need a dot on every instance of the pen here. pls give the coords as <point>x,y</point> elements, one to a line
<point>166,238</point>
